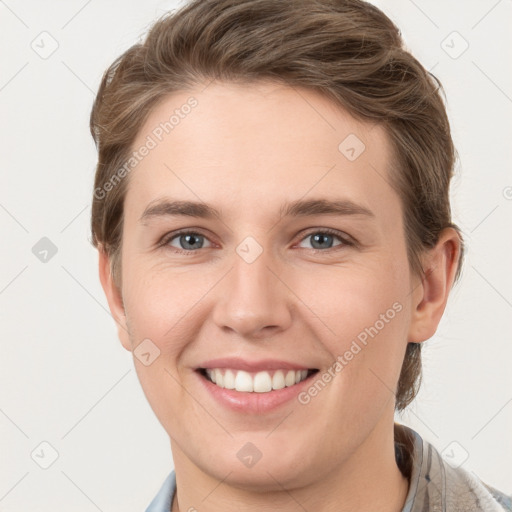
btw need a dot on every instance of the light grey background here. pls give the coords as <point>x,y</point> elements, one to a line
<point>66,380</point>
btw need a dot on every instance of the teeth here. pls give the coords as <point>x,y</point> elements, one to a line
<point>261,382</point>
<point>290,379</point>
<point>229,379</point>
<point>243,382</point>
<point>278,380</point>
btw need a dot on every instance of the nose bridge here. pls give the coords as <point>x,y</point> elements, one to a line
<point>252,296</point>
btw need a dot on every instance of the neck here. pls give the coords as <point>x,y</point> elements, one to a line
<point>369,480</point>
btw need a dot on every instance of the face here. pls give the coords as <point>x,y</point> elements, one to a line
<point>289,277</point>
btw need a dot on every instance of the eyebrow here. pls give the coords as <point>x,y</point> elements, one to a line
<point>299,208</point>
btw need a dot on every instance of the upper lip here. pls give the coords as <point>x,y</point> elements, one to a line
<point>236,363</point>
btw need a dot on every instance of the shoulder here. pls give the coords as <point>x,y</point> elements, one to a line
<point>163,499</point>
<point>466,491</point>
<point>436,485</point>
<point>505,500</point>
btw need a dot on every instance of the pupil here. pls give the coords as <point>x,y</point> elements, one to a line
<point>188,237</point>
<point>320,237</point>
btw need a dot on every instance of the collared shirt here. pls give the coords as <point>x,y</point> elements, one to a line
<point>434,485</point>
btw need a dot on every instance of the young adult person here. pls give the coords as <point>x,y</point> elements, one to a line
<point>271,210</point>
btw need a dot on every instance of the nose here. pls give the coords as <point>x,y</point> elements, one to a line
<point>253,301</point>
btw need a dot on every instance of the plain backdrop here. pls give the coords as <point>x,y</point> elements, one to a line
<point>66,381</point>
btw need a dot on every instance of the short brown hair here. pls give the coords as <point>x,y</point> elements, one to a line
<point>346,50</point>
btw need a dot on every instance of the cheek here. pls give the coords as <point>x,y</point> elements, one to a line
<point>159,302</point>
<point>363,320</point>
<point>354,302</point>
<point>160,307</point>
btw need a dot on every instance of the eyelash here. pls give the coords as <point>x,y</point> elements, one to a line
<point>346,242</point>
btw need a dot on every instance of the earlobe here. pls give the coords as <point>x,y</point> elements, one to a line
<point>431,295</point>
<point>114,298</point>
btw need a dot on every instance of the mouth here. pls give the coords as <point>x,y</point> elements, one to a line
<point>264,381</point>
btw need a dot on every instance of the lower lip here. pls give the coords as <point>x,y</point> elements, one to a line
<point>253,402</point>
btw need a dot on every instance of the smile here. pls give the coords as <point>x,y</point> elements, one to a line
<point>255,382</point>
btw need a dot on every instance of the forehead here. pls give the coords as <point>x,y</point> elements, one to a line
<point>258,145</point>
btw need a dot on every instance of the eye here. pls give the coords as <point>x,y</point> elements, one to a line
<point>188,241</point>
<point>322,237</point>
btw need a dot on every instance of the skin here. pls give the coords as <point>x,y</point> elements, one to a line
<point>247,150</point>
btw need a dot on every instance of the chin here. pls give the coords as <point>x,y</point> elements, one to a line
<point>269,469</point>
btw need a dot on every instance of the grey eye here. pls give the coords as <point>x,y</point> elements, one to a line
<point>188,241</point>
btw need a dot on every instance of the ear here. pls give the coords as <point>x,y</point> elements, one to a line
<point>114,298</point>
<point>431,294</point>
